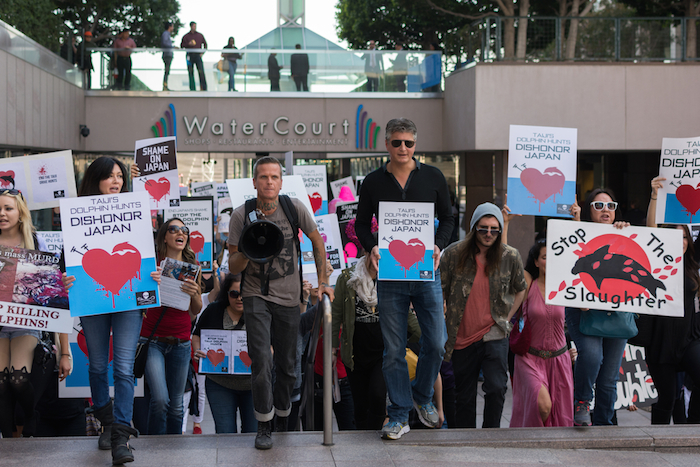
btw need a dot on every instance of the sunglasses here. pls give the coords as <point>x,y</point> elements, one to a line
<point>599,205</point>
<point>174,229</point>
<point>234,294</point>
<point>488,230</point>
<point>397,143</point>
<point>10,191</point>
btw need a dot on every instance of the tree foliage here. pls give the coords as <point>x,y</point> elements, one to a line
<point>36,19</point>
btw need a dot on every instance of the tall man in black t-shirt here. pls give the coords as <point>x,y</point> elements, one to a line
<point>274,316</point>
<point>404,179</point>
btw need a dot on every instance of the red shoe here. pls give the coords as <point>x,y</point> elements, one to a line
<point>197,430</point>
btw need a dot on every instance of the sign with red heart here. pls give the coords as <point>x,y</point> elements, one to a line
<point>316,183</point>
<point>678,199</point>
<point>406,241</point>
<point>156,159</point>
<point>220,345</point>
<point>197,213</point>
<point>216,356</point>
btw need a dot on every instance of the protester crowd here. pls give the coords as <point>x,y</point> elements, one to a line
<point>421,346</point>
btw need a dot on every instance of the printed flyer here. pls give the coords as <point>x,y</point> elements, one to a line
<point>406,241</point>
<point>32,295</point>
<point>541,170</point>
<point>198,215</point>
<point>635,269</point>
<point>43,179</point>
<point>315,181</point>
<point>108,245</point>
<point>173,274</point>
<point>156,158</point>
<point>678,201</point>
<point>227,352</point>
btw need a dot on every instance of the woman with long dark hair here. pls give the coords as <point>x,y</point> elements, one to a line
<point>168,357</point>
<point>599,358</point>
<point>675,342</point>
<point>106,176</point>
<point>227,394</point>
<point>543,383</point>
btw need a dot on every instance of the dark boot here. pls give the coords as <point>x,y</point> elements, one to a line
<point>281,424</point>
<point>263,440</point>
<point>121,451</point>
<point>659,416</point>
<point>106,418</point>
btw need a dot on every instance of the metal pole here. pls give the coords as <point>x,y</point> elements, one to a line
<point>327,372</point>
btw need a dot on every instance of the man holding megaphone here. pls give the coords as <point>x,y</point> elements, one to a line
<point>263,244</point>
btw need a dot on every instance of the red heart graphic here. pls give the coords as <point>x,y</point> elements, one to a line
<point>158,189</point>
<point>407,254</point>
<point>245,358</point>
<point>113,270</point>
<point>7,179</point>
<point>215,356</point>
<point>197,242</point>
<point>543,185</point>
<point>689,198</point>
<point>82,343</point>
<point>316,202</point>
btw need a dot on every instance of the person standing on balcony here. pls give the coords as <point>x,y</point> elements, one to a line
<point>373,67</point>
<point>400,66</point>
<point>231,57</point>
<point>300,69</point>
<point>122,46</point>
<point>195,40</point>
<point>85,60</point>
<point>273,72</point>
<point>166,43</point>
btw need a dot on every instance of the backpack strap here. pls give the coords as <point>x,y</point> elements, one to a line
<point>249,207</point>
<point>293,217</point>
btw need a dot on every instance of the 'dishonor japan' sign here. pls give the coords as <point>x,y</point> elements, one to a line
<point>316,184</point>
<point>678,201</point>
<point>406,241</point>
<point>541,170</point>
<point>596,266</point>
<point>108,245</point>
<point>32,295</point>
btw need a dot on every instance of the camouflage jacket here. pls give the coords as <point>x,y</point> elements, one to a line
<point>504,284</point>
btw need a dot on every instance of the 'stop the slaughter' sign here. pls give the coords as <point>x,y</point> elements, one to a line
<point>108,245</point>
<point>678,202</point>
<point>406,241</point>
<point>541,170</point>
<point>597,266</point>
<point>156,158</point>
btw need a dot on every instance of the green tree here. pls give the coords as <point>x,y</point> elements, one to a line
<point>35,19</point>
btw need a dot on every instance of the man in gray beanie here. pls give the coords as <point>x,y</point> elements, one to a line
<point>483,283</point>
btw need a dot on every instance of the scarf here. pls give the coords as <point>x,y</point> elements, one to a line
<point>363,284</point>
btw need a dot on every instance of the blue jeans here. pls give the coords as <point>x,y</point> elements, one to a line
<point>232,65</point>
<point>598,362</point>
<point>166,375</point>
<point>395,298</point>
<point>224,402</point>
<point>125,327</point>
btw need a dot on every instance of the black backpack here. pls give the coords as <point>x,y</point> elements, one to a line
<point>293,217</point>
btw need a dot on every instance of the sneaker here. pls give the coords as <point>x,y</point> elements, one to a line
<point>395,430</point>
<point>197,430</point>
<point>427,414</point>
<point>263,440</point>
<point>582,414</point>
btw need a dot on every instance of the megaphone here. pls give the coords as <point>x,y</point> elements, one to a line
<point>261,240</point>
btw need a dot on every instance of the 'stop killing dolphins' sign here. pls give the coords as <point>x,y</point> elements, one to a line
<point>635,269</point>
<point>678,201</point>
<point>541,170</point>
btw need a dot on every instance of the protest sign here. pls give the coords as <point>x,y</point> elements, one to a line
<point>330,233</point>
<point>43,179</point>
<point>406,241</point>
<point>156,158</point>
<point>635,269</point>
<point>32,295</point>
<point>316,186</point>
<point>678,201</point>
<point>346,213</point>
<point>173,274</point>
<point>541,170</point>
<point>635,385</point>
<point>241,189</point>
<point>227,352</point>
<point>77,384</point>
<point>198,215</point>
<point>53,240</point>
<point>109,249</point>
<point>337,185</point>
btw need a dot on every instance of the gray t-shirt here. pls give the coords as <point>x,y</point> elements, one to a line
<point>284,276</point>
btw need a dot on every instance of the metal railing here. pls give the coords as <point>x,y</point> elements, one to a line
<point>590,38</point>
<point>329,70</point>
